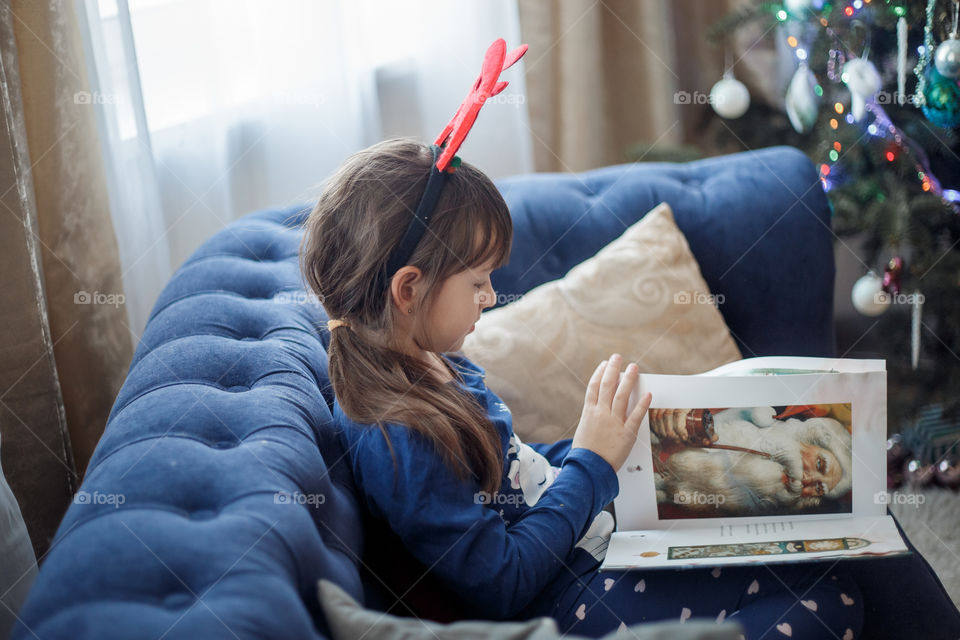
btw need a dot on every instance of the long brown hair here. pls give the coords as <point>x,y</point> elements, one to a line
<point>360,216</point>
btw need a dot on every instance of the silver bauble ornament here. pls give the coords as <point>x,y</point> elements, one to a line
<point>947,57</point>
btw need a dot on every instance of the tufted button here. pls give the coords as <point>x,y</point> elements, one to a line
<point>249,339</point>
<point>178,600</point>
<point>203,514</point>
<point>225,444</point>
<point>238,388</point>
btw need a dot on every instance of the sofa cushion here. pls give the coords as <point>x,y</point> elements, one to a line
<point>641,296</point>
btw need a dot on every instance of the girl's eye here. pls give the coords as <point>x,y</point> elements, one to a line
<point>478,285</point>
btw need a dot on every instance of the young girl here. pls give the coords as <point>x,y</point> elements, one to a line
<point>517,530</point>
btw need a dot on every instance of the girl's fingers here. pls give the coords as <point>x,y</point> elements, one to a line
<point>608,382</point>
<point>636,416</point>
<point>624,390</point>
<point>593,387</point>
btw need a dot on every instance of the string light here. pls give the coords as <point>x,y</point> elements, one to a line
<point>882,127</point>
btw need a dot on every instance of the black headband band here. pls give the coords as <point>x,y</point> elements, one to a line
<point>421,218</point>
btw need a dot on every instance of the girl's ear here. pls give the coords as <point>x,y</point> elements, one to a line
<point>405,288</point>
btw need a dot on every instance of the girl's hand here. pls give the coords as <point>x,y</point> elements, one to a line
<point>605,428</point>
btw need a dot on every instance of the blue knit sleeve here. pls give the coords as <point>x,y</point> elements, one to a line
<point>444,522</point>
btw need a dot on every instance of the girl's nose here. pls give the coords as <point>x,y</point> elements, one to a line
<point>488,297</point>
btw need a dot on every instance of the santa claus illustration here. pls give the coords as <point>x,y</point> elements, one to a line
<point>749,461</point>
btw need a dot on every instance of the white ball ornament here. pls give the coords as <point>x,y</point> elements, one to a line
<point>947,57</point>
<point>729,98</point>
<point>802,102</point>
<point>868,296</point>
<point>863,80</point>
<point>797,8</point>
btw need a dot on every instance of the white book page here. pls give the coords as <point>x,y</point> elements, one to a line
<point>864,393</point>
<point>786,540</point>
<point>762,364</point>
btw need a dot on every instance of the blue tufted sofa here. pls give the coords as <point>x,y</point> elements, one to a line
<point>218,494</point>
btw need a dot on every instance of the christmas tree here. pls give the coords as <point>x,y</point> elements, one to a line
<point>875,102</point>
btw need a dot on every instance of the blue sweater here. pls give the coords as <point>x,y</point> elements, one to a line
<point>498,552</point>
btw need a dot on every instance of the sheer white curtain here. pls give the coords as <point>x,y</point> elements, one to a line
<point>210,109</point>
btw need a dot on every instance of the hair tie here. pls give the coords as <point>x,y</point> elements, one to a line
<point>333,324</point>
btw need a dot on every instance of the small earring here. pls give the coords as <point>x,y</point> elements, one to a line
<point>410,310</point>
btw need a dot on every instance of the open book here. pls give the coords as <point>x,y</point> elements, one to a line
<point>771,459</point>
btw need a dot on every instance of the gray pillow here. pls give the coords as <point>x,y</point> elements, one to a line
<point>18,565</point>
<point>348,620</point>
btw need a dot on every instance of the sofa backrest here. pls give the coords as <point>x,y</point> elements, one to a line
<point>758,224</point>
<point>207,505</point>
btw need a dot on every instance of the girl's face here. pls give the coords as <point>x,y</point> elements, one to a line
<point>457,306</point>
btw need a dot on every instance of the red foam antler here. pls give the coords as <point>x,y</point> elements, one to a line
<point>495,61</point>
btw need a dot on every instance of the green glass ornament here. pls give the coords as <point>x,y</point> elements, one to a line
<point>942,100</point>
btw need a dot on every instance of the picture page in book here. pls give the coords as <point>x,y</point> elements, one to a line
<point>757,447</point>
<point>752,461</point>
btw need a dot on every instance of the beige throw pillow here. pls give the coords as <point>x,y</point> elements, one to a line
<point>641,296</point>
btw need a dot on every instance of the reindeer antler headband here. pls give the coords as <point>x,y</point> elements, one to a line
<point>487,85</point>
